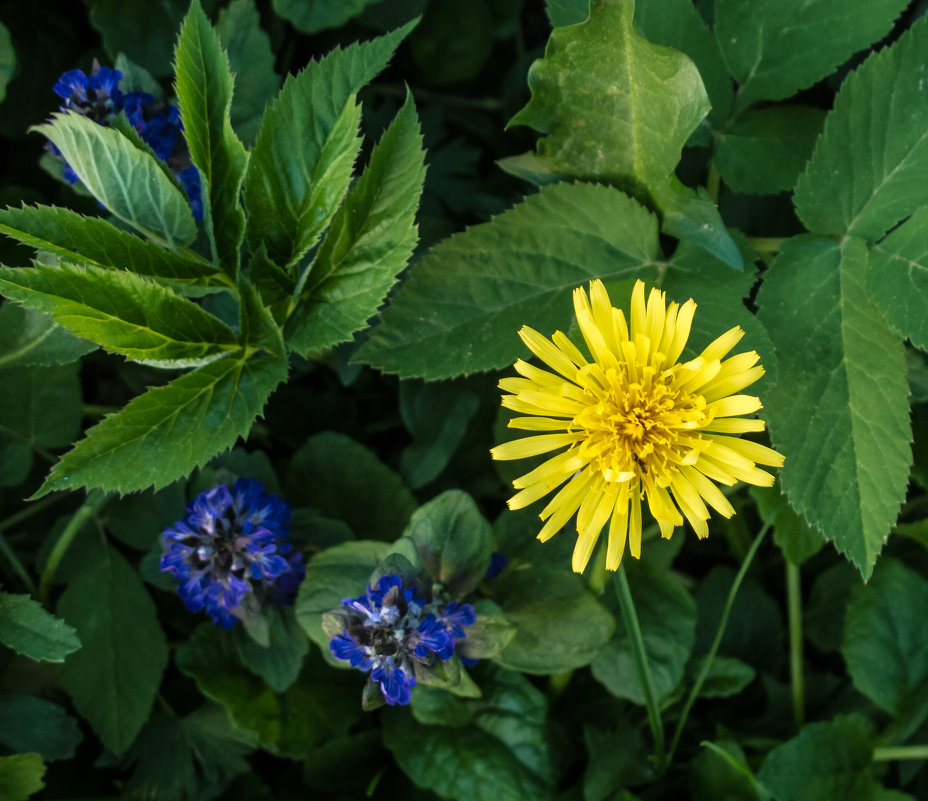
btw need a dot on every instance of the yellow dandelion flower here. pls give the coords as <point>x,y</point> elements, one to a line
<point>635,424</point>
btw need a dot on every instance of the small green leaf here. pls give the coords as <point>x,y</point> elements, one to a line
<point>204,90</point>
<point>126,314</point>
<point>776,47</point>
<point>560,623</point>
<point>601,92</point>
<point>31,631</point>
<point>884,644</point>
<point>693,217</point>
<point>453,540</point>
<point>144,31</point>
<point>34,724</point>
<point>369,242</point>
<point>21,776</point>
<point>763,151</point>
<point>825,761</point>
<point>463,303</point>
<point>311,16</point>
<point>168,431</point>
<point>257,325</point>
<point>92,240</point>
<point>291,192</point>
<point>839,412</point>
<point>126,180</point>
<point>667,616</point>
<point>280,662</point>
<point>488,634</point>
<point>331,471</point>
<point>7,60</point>
<point>338,572</point>
<point>113,679</point>
<point>252,61</point>
<point>727,676</point>
<point>31,339</point>
<point>866,172</point>
<point>136,78</point>
<point>721,771</point>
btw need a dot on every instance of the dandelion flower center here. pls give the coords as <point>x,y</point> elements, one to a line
<point>636,424</point>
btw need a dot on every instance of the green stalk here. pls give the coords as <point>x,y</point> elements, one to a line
<point>707,662</point>
<point>900,752</point>
<point>794,610</point>
<point>14,520</point>
<point>630,619</point>
<point>94,502</point>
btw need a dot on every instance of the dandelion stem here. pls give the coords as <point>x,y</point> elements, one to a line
<point>794,610</point>
<point>630,619</point>
<point>707,661</point>
<point>87,510</point>
<point>713,181</point>
<point>887,754</point>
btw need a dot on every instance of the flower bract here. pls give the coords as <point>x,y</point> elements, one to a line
<point>229,552</point>
<point>633,424</point>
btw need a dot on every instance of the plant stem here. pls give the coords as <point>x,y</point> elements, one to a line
<point>14,520</point>
<point>794,610</point>
<point>707,661</point>
<point>630,619</point>
<point>17,566</point>
<point>94,502</point>
<point>713,182</point>
<point>900,752</point>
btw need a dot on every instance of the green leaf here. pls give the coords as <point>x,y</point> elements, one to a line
<point>280,662</point>
<point>30,339</point>
<point>257,325</point>
<point>776,47</point>
<point>34,724</point>
<point>136,78</point>
<point>560,623</point>
<point>453,540</point>
<point>884,636</point>
<point>92,240</point>
<point>790,532</point>
<point>311,16</point>
<point>601,92</point>
<point>31,631</point>
<point>667,616</point>
<point>460,308</point>
<point>823,617</point>
<point>331,471</point>
<point>113,679</point>
<point>567,12</point>
<point>39,407</point>
<point>138,519</point>
<point>7,60</point>
<point>727,676</point>
<point>369,242</point>
<point>126,180</point>
<point>20,776</point>
<point>866,172</point>
<point>721,771</point>
<point>437,707</point>
<point>204,90</point>
<point>126,314</point>
<point>437,415</point>
<point>763,151</point>
<point>144,31</point>
<point>897,278</point>
<point>291,192</point>
<point>252,61</point>
<point>451,48</point>
<point>839,411</point>
<point>168,431</point>
<point>824,762</point>
<point>692,216</point>
<point>335,573</point>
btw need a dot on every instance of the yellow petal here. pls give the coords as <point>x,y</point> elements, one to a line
<point>553,471</point>
<point>639,311</point>
<point>634,526</point>
<point>681,332</point>
<point>754,451</point>
<point>541,424</point>
<point>721,346</point>
<point>720,387</point>
<point>618,530</point>
<point>734,406</point>
<point>546,350</point>
<point>563,505</point>
<point>734,425</point>
<point>532,446</point>
<point>709,492</point>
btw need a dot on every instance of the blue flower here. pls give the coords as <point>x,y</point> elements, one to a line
<point>96,96</point>
<point>229,552</point>
<point>390,629</point>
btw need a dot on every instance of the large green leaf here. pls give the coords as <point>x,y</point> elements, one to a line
<point>897,278</point>
<point>21,776</point>
<point>128,181</point>
<point>460,308</point>
<point>204,91</point>
<point>839,411</point>
<point>252,61</point>
<point>168,431</point>
<point>91,240</point>
<point>775,47</point>
<point>114,677</point>
<point>369,242</point>
<point>884,643</point>
<point>867,170</point>
<point>602,93</point>
<point>31,339</point>
<point>34,724</point>
<point>126,314</point>
<point>763,151</point>
<point>301,163</point>
<point>667,616</point>
<point>311,16</point>
<point>31,631</point>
